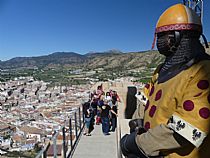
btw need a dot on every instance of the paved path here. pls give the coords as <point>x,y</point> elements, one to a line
<point>97,145</point>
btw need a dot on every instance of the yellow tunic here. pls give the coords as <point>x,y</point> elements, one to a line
<point>185,96</point>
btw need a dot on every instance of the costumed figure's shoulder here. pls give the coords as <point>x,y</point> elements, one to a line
<point>201,68</point>
<point>205,64</point>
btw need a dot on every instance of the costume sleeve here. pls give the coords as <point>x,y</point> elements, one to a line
<point>159,140</point>
<point>191,120</point>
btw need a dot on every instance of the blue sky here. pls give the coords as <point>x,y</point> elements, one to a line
<point>41,27</point>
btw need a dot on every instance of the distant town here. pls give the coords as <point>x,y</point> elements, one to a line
<point>30,111</point>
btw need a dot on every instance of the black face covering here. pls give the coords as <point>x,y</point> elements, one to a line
<point>165,44</point>
<point>179,56</point>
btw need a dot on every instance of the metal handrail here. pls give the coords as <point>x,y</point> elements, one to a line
<point>43,151</point>
<point>78,132</point>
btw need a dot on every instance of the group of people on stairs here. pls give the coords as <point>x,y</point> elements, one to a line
<point>101,109</point>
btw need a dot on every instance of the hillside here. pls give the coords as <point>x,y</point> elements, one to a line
<point>132,60</point>
<point>106,60</point>
<point>71,68</point>
<point>58,58</point>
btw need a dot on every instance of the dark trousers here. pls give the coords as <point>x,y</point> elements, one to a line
<point>105,124</point>
<point>91,128</point>
<point>114,124</point>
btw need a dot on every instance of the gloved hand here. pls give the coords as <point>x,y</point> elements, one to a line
<point>136,125</point>
<point>129,147</point>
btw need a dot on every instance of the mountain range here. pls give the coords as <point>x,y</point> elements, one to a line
<point>108,60</point>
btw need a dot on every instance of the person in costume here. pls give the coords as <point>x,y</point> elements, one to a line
<point>177,114</point>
